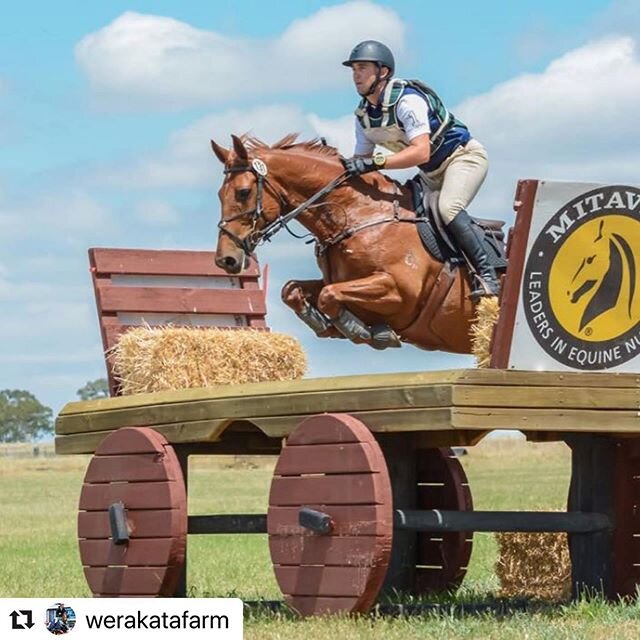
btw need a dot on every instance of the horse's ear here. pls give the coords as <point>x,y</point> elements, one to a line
<point>221,153</point>
<point>239,148</point>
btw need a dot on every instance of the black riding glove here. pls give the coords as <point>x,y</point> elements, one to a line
<point>356,166</point>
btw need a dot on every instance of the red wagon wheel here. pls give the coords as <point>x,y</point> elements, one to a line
<point>441,558</point>
<point>132,525</point>
<point>331,464</point>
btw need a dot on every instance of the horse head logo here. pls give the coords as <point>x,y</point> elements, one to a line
<point>600,276</point>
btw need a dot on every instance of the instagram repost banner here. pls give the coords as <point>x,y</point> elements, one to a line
<point>93,618</point>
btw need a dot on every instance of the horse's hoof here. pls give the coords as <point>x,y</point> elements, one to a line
<point>384,337</point>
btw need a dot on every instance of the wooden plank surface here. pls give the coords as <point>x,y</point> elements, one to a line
<point>352,401</point>
<point>181,432</point>
<point>604,421</point>
<point>257,406</point>
<point>424,401</point>
<point>162,262</point>
<point>541,397</point>
<point>114,298</point>
<point>404,381</point>
<point>362,382</point>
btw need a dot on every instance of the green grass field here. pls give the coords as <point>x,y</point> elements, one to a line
<point>39,557</point>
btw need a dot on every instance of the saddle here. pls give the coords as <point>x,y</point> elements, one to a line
<point>439,243</point>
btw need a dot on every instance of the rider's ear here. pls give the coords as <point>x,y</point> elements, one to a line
<point>239,148</point>
<point>221,153</point>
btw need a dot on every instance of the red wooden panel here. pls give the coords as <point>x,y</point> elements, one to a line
<point>162,262</point>
<point>501,347</point>
<point>180,300</point>
<point>143,523</point>
<point>116,581</point>
<point>331,573</point>
<point>328,581</point>
<point>256,322</point>
<point>327,458</point>
<point>435,552</point>
<point>248,301</point>
<point>348,520</point>
<point>130,468</point>
<point>137,495</point>
<point>448,551</point>
<point>329,428</point>
<point>132,441</point>
<point>334,489</point>
<point>137,552</point>
<point>356,551</point>
<point>155,513</point>
<point>435,497</point>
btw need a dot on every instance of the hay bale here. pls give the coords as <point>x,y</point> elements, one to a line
<point>149,359</point>
<point>487,313</point>
<point>534,565</point>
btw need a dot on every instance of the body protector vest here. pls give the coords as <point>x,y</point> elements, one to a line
<point>381,126</point>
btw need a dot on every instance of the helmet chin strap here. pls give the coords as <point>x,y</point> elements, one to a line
<point>375,83</point>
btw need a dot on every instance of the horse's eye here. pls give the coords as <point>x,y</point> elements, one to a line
<point>590,259</point>
<point>243,194</point>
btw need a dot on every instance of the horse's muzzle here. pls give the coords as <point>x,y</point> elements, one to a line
<point>230,263</point>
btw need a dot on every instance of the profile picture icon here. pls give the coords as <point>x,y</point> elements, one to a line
<point>60,619</point>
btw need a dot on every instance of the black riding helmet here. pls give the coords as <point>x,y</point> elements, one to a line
<point>372,51</point>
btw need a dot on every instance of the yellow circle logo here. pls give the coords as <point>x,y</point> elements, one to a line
<point>594,290</point>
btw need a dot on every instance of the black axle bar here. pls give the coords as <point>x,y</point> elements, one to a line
<point>434,521</point>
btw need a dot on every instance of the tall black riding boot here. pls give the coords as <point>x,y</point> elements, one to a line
<point>474,250</point>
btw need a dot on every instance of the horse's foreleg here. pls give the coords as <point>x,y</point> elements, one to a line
<point>302,297</point>
<point>376,294</point>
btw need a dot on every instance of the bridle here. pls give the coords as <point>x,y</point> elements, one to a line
<point>257,236</point>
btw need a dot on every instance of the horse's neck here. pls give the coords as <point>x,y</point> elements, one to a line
<point>301,176</point>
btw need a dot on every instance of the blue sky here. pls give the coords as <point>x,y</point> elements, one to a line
<point>106,110</point>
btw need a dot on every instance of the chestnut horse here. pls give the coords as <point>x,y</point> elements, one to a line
<point>379,285</point>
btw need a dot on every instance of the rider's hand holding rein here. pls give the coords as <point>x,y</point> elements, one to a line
<point>415,154</point>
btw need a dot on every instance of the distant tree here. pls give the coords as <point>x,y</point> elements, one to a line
<point>94,389</point>
<point>23,417</point>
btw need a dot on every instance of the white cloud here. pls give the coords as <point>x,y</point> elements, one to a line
<point>162,63</point>
<point>157,213</point>
<point>187,160</point>
<point>574,121</point>
<point>64,214</point>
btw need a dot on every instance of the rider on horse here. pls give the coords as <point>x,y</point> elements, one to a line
<point>409,119</point>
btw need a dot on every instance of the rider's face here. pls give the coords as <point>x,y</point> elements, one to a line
<point>364,75</point>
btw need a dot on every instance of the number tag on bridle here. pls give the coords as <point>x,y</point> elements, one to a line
<point>259,167</point>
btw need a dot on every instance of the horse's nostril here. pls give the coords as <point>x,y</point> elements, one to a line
<point>230,261</point>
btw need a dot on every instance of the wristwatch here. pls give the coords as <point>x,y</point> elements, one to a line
<point>379,159</point>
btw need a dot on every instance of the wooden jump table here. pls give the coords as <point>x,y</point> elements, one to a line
<point>364,466</point>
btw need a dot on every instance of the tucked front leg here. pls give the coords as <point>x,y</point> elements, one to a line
<point>377,294</point>
<point>302,297</point>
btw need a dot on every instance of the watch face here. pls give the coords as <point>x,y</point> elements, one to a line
<point>378,159</point>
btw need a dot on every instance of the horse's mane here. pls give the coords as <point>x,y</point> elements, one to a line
<point>289,143</point>
<point>316,145</point>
